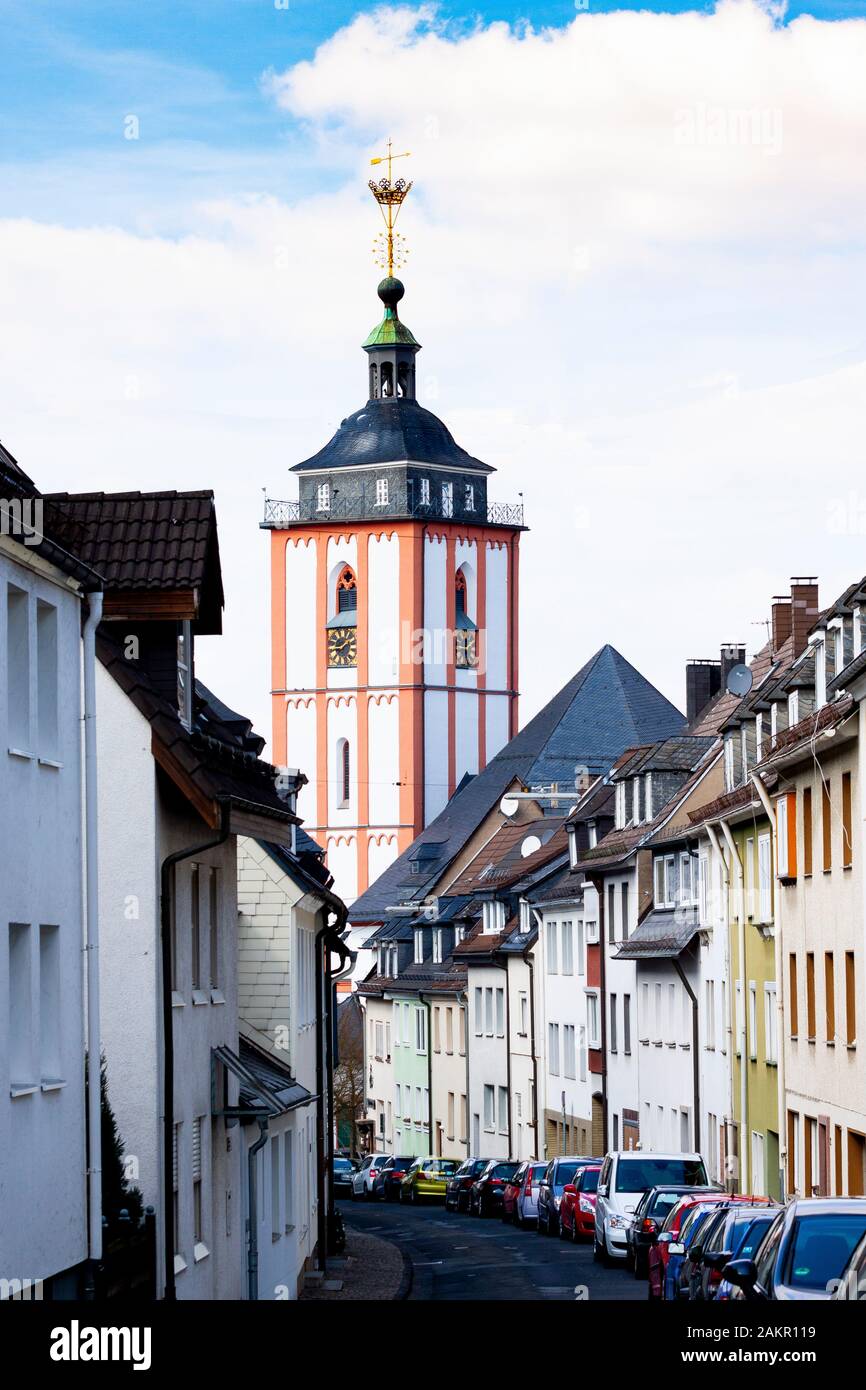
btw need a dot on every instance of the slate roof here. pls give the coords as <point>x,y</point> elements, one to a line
<point>274,1080</point>
<point>606,707</point>
<point>659,935</point>
<point>140,540</point>
<point>392,431</point>
<point>215,760</point>
<point>501,863</point>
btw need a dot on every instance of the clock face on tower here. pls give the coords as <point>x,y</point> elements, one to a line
<point>342,646</point>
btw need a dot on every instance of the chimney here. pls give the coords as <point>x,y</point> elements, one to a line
<point>703,683</point>
<point>733,654</point>
<point>782,616</point>
<point>804,609</point>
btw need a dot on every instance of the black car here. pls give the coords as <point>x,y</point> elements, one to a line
<point>804,1252</point>
<point>460,1185</point>
<point>648,1219</point>
<point>735,1233</point>
<point>344,1171</point>
<point>485,1196</point>
<point>386,1183</point>
<point>559,1172</point>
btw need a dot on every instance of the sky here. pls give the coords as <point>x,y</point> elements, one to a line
<point>638,243</point>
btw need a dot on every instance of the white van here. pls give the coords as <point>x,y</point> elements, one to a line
<point>625,1175</point>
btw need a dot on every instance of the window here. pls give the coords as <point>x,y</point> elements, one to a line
<point>820,673</point>
<point>197,1217</point>
<point>214,927</point>
<point>379,1034</point>
<point>479,1011</point>
<point>619,806</point>
<point>613,1023</point>
<point>398,1099</point>
<point>185,679</point>
<point>581,948</point>
<point>489,1103</point>
<point>624,911</point>
<point>488,1011</point>
<point>469,498</point>
<point>658,1013</point>
<point>568,1053</point>
<point>424,492</point>
<point>459,933</point>
<point>18,668</point>
<point>289,1179</point>
<point>437,945</point>
<point>449,1030</point>
<point>771,1031</point>
<point>686,893</point>
<point>793,1003</point>
<point>323,497</point>
<point>49,1003</point>
<point>46,678</point>
<point>648,795</point>
<point>344,771</point>
<point>195,914</point>
<point>419,947</point>
<point>750,877</point>
<point>437,1042</point>
<point>765,876</point>
<point>829,997</point>
<point>850,1001</point>
<point>786,848</point>
<point>553,1048</point>
<point>381,492</point>
<point>421,1030</point>
<point>592,1018</point>
<point>503,1110</point>
<point>524,1015</point>
<point>500,1013</point>
<point>20,1035</point>
<point>741,1020</point>
<point>826,825</point>
<point>461,1032</point>
<point>729,762</point>
<point>550,938</point>
<point>347,591</point>
<point>710,1015</point>
<point>793,708</point>
<point>567,935</point>
<point>450,1115</point>
<point>447,499</point>
<point>581,1051</point>
<point>847,843</point>
<point>626,1024</point>
<point>810,995</point>
<point>664,881</point>
<point>611,913</point>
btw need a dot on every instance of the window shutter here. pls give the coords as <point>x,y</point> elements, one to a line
<point>174,1157</point>
<point>196,1150</point>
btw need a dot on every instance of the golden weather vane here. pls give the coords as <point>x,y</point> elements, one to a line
<point>389,248</point>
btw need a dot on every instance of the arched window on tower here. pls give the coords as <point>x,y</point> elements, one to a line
<point>342,625</point>
<point>374,381</point>
<point>347,591</point>
<point>344,773</point>
<point>403,379</point>
<point>466,634</point>
<point>387,379</point>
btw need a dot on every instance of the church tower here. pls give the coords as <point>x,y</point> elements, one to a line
<point>394,588</point>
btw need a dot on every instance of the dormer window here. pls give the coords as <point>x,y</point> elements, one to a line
<point>447,499</point>
<point>592,833</point>
<point>619,806</point>
<point>419,947</point>
<point>793,708</point>
<point>424,492</point>
<point>820,673</point>
<point>572,847</point>
<point>323,497</point>
<point>648,796</point>
<point>729,762</point>
<point>635,801</point>
<point>381,492</point>
<point>469,499</point>
<point>394,959</point>
<point>459,933</point>
<point>437,945</point>
<point>185,677</point>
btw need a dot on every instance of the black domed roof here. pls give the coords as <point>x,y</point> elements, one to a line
<point>392,431</point>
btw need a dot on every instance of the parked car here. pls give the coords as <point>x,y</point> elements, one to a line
<point>428,1177</point>
<point>735,1233</point>
<point>486,1193</point>
<point>390,1176</point>
<point>362,1183</point>
<point>460,1183</point>
<point>559,1172</point>
<point>520,1197</point>
<point>344,1172</point>
<point>666,1256</point>
<point>577,1210</point>
<point>625,1176</point>
<point>649,1217</point>
<point>804,1253</point>
<point>852,1284</point>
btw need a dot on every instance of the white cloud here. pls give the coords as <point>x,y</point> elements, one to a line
<point>638,271</point>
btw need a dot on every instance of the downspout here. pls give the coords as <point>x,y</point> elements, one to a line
<point>165,905</point>
<point>253,1253</point>
<point>598,884</point>
<point>696,1061</point>
<point>468,1106</point>
<point>745,1155</point>
<point>429,1007</point>
<point>91,871</point>
<point>508,1055</point>
<point>780,986</point>
<point>527,956</point>
<point>325,1081</point>
<point>729,1123</point>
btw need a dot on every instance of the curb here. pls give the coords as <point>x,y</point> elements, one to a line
<point>405,1287</point>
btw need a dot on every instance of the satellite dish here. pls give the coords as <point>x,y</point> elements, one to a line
<point>739,680</point>
<point>530,845</point>
<point>508,805</point>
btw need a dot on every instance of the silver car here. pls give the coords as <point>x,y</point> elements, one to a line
<point>526,1205</point>
<point>362,1182</point>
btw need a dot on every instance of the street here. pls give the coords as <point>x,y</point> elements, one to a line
<point>463,1257</point>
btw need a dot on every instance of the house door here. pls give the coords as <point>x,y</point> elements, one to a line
<point>476,1135</point>
<point>856,1160</point>
<point>759,1185</point>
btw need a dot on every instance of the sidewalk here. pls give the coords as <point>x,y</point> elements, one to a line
<point>370,1269</point>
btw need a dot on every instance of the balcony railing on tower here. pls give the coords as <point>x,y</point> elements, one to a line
<point>280,514</point>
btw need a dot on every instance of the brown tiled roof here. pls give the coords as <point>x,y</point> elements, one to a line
<point>140,540</point>
<point>502,851</point>
<point>618,844</point>
<point>805,730</point>
<point>731,801</point>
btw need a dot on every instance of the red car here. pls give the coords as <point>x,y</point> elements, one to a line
<point>668,1245</point>
<point>577,1211</point>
